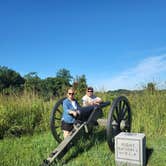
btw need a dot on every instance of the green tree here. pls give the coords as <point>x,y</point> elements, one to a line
<point>32,82</point>
<point>10,79</point>
<point>151,87</point>
<point>63,81</point>
<point>65,76</point>
<point>49,87</point>
<point>80,85</point>
<point>54,86</point>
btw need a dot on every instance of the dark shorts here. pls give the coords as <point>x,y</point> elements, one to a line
<point>66,126</point>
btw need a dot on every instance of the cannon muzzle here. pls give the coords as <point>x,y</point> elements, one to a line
<point>104,104</point>
<point>85,112</point>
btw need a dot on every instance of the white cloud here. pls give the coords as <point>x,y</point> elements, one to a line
<point>147,70</point>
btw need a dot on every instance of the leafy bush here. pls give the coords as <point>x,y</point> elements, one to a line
<point>23,115</point>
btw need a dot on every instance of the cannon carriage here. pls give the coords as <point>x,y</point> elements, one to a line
<point>119,120</point>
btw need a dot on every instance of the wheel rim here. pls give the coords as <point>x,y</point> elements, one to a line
<point>119,119</point>
<point>55,121</point>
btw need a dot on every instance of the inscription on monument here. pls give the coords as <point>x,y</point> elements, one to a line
<point>128,149</point>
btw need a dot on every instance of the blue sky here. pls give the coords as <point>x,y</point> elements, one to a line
<point>117,44</point>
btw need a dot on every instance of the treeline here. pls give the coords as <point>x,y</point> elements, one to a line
<point>11,82</point>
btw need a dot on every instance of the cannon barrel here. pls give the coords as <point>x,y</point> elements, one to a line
<point>92,107</point>
<point>104,104</point>
<point>86,111</point>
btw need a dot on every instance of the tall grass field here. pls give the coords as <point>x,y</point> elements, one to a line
<point>26,140</point>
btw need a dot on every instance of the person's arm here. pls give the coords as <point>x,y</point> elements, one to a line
<point>68,110</point>
<point>85,103</point>
<point>92,101</point>
<point>97,100</point>
<point>74,113</point>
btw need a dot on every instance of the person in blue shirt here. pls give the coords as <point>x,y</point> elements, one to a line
<point>70,112</point>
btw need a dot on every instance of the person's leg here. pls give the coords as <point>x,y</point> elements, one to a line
<point>66,133</point>
<point>66,128</point>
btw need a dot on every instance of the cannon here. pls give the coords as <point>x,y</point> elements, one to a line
<point>119,120</point>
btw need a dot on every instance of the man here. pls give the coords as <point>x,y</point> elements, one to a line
<point>90,98</point>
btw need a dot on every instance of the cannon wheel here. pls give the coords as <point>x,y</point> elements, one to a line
<point>119,119</point>
<point>55,121</point>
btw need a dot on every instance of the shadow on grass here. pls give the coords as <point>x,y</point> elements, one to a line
<point>88,141</point>
<point>149,152</point>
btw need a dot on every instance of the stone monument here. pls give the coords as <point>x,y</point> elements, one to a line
<point>130,149</point>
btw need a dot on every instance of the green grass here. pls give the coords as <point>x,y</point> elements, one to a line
<point>88,150</point>
<point>157,147</point>
<point>148,113</point>
<point>29,115</point>
<point>25,151</point>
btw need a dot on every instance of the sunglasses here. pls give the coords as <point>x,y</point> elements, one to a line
<point>71,93</point>
<point>90,90</point>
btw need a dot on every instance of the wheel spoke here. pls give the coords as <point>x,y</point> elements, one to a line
<point>59,111</point>
<point>57,118</point>
<point>123,109</point>
<point>115,118</point>
<point>124,113</point>
<point>120,103</point>
<point>117,111</point>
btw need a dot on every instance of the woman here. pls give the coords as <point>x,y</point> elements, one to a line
<point>70,112</point>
